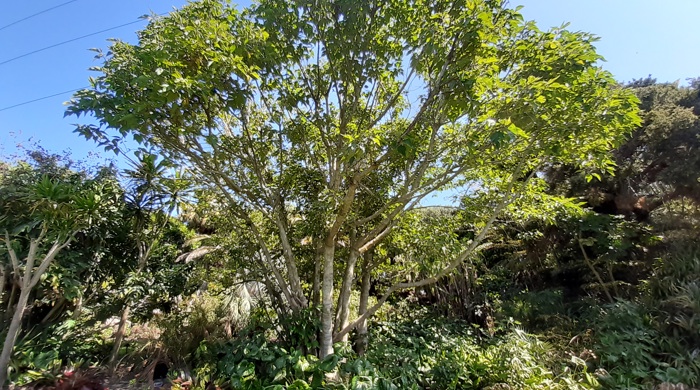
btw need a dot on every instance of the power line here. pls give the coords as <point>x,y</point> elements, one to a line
<point>41,98</point>
<point>38,13</point>
<point>68,41</point>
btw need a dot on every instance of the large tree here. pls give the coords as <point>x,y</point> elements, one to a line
<point>321,123</point>
<point>659,163</point>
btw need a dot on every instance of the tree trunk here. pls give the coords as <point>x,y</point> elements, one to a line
<point>58,305</point>
<point>11,299</point>
<point>28,281</point>
<point>345,292</point>
<point>3,283</point>
<point>12,333</point>
<point>118,338</point>
<point>326,337</point>
<point>362,340</point>
<point>144,252</point>
<point>595,272</point>
<point>78,308</point>
<point>316,288</point>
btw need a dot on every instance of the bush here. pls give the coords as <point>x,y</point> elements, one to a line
<point>430,352</point>
<point>253,362</point>
<point>637,353</point>
<point>674,295</point>
<point>42,354</point>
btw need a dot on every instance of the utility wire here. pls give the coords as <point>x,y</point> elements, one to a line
<point>41,98</point>
<point>68,41</point>
<point>38,13</point>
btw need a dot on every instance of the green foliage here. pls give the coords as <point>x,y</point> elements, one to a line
<point>425,352</point>
<point>655,340</point>
<point>296,115</point>
<point>674,291</point>
<point>656,166</point>
<point>299,330</point>
<point>428,352</point>
<point>211,317</point>
<point>200,319</point>
<point>636,352</point>
<point>253,362</point>
<point>63,200</point>
<point>297,121</point>
<point>627,343</point>
<point>42,354</point>
<point>548,311</point>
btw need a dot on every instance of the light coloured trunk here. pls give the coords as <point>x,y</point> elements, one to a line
<point>297,293</point>
<point>316,294</point>
<point>362,337</point>
<point>12,333</point>
<point>78,308</point>
<point>118,339</point>
<point>590,265</point>
<point>326,336</point>
<point>144,254</point>
<point>316,287</point>
<point>28,281</point>
<point>345,292</point>
<point>3,283</point>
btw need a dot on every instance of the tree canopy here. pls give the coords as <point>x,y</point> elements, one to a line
<point>293,111</point>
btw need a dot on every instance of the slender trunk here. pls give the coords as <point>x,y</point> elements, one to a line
<point>3,283</point>
<point>297,293</point>
<point>612,280</point>
<point>345,292</point>
<point>326,336</point>
<point>118,338</point>
<point>28,281</point>
<point>595,272</point>
<point>361,341</point>
<point>12,333</point>
<point>144,252</point>
<point>13,293</point>
<point>203,287</point>
<point>55,309</point>
<point>275,296</point>
<point>78,308</point>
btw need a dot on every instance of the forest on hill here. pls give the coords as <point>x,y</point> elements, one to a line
<point>273,231</point>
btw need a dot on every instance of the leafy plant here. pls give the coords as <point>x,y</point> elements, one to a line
<point>429,352</point>
<point>42,354</point>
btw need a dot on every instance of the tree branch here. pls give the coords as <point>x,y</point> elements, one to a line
<point>506,199</point>
<point>55,248</point>
<point>13,254</point>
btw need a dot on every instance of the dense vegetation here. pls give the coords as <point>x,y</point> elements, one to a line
<point>270,231</point>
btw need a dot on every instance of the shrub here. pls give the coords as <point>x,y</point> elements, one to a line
<point>43,353</point>
<point>435,353</point>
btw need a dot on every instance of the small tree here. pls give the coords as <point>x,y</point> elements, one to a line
<point>41,212</point>
<point>152,194</point>
<point>298,112</point>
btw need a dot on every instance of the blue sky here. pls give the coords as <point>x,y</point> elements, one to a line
<point>638,38</point>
